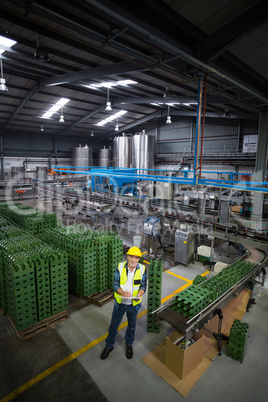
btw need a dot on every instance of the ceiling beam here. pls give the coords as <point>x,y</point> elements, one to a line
<point>167,42</point>
<point>217,43</point>
<point>169,100</point>
<point>92,73</point>
<point>40,30</point>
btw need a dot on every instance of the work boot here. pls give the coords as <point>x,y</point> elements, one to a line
<point>129,352</point>
<point>105,353</point>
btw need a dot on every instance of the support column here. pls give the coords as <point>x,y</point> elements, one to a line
<point>2,159</point>
<point>261,165</point>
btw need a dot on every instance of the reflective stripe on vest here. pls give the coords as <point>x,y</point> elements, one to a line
<point>139,272</point>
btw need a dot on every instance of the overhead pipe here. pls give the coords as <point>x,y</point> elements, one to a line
<point>203,125</point>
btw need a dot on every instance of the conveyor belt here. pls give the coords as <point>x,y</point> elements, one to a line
<point>189,325</point>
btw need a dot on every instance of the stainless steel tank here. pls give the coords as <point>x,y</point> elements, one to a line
<point>17,172</point>
<point>122,151</point>
<point>143,152</point>
<point>105,155</point>
<point>81,157</point>
<point>41,172</point>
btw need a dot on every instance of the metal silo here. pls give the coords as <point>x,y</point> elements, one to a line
<point>143,152</point>
<point>81,157</point>
<point>41,173</point>
<point>105,155</point>
<point>122,151</point>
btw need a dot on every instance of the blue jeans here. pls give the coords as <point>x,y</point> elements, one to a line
<point>118,313</point>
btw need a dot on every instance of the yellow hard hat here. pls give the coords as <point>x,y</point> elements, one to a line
<point>134,251</point>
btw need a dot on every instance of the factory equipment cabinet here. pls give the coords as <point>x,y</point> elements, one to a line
<point>184,246</point>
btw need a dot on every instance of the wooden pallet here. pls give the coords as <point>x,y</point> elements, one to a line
<point>39,326</point>
<point>101,298</point>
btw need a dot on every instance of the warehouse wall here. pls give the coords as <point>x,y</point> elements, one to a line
<point>43,145</point>
<point>220,135</point>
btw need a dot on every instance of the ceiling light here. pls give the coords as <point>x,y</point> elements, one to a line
<point>108,106</point>
<point>6,43</point>
<point>168,93</point>
<point>3,86</point>
<point>111,84</point>
<point>92,134</point>
<point>108,103</point>
<point>40,53</point>
<point>124,83</point>
<point>41,128</point>
<point>226,113</point>
<point>168,121</point>
<point>55,108</point>
<point>111,118</point>
<point>116,127</point>
<point>61,120</point>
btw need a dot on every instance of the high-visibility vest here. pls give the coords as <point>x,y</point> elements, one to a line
<point>137,279</point>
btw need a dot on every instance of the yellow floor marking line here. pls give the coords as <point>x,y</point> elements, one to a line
<point>60,364</point>
<point>178,276</point>
<point>76,354</point>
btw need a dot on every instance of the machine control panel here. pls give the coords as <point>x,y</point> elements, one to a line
<point>181,234</point>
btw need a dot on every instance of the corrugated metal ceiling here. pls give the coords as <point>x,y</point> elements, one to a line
<point>169,43</point>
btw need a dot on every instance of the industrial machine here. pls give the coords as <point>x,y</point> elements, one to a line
<point>152,228</point>
<point>184,246</point>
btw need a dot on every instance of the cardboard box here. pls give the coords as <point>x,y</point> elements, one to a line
<point>182,362</point>
<point>237,209</point>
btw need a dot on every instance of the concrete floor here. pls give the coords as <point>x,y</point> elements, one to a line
<point>74,346</point>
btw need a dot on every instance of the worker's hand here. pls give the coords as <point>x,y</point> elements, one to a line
<point>127,294</point>
<point>138,297</point>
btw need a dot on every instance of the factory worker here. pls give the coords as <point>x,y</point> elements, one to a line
<point>130,281</point>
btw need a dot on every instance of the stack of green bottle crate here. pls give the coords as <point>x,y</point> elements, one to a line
<point>92,256</point>
<point>21,295</point>
<point>154,294</point>
<point>3,224</point>
<point>27,217</point>
<point>115,255</point>
<point>79,244</point>
<point>101,244</point>
<point>238,340</point>
<point>2,285</point>
<point>83,268</point>
<point>58,264</point>
<point>34,277</point>
<point>43,291</point>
